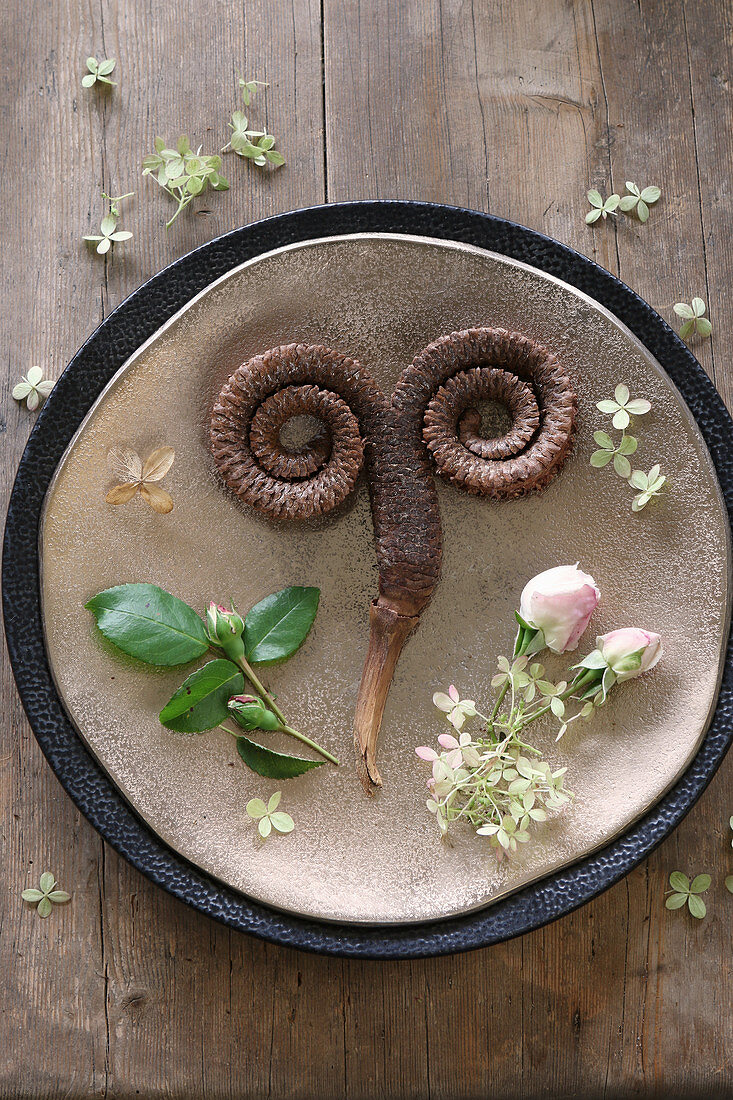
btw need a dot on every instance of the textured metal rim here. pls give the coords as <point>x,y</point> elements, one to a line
<point>91,368</point>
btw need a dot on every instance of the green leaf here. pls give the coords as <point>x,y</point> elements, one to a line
<point>704,326</point>
<point>632,187</point>
<point>700,884</point>
<point>599,459</point>
<point>274,802</point>
<point>639,480</point>
<point>729,884</point>
<point>275,158</point>
<point>88,80</point>
<point>607,406</point>
<point>651,194</point>
<point>621,419</point>
<point>695,904</point>
<point>32,895</point>
<point>676,901</point>
<point>274,765</point>
<point>683,310</point>
<point>621,465</point>
<point>698,307</point>
<point>628,445</point>
<point>642,211</point>
<point>592,216</point>
<point>604,440</point>
<point>276,626</point>
<point>201,701</point>
<point>109,224</point>
<point>687,328</point>
<point>594,198</point>
<point>628,202</point>
<point>679,881</point>
<point>47,881</point>
<point>264,827</point>
<point>44,907</point>
<point>106,67</point>
<point>146,622</point>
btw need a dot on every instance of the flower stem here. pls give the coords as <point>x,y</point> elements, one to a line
<point>262,690</point>
<point>580,682</point>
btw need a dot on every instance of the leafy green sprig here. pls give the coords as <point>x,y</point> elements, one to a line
<point>694,318</point>
<point>156,627</point>
<point>46,896</point>
<point>183,173</point>
<point>601,207</point>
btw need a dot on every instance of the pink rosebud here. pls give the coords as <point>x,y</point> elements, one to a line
<point>560,602</point>
<point>630,651</point>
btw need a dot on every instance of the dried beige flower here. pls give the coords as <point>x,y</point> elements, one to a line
<point>135,477</point>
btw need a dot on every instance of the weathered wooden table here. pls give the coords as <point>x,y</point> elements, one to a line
<point>511,107</point>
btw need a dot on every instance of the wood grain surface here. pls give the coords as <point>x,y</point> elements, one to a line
<point>511,106</point>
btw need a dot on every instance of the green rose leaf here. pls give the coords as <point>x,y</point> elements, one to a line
<point>274,765</point>
<point>201,701</point>
<point>276,626</point>
<point>146,622</point>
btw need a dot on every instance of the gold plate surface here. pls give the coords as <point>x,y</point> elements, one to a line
<point>380,299</point>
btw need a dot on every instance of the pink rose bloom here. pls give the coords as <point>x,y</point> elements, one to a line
<point>560,602</point>
<point>618,645</point>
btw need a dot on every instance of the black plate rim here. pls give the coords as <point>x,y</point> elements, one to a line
<point>141,314</point>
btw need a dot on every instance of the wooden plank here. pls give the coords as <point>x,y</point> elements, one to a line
<point>126,989</point>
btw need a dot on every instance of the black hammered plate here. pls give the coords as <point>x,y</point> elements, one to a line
<point>90,370</point>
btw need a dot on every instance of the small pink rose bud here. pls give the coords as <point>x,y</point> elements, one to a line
<point>630,652</point>
<point>225,629</point>
<point>559,603</point>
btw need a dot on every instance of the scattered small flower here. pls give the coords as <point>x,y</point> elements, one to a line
<point>47,896</point>
<point>456,710</point>
<point>649,485</point>
<point>695,321</point>
<point>268,817</point>
<point>249,89</point>
<point>623,407</point>
<point>33,389</point>
<point>639,200</point>
<point>683,891</point>
<point>183,173</point>
<point>608,450</point>
<point>254,145</point>
<point>137,477</point>
<point>601,208</point>
<point>98,72</point>
<point>108,229</point>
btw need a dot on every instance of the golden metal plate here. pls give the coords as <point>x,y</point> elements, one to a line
<point>381,298</point>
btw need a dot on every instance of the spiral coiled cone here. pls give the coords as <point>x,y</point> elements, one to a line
<point>431,421</point>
